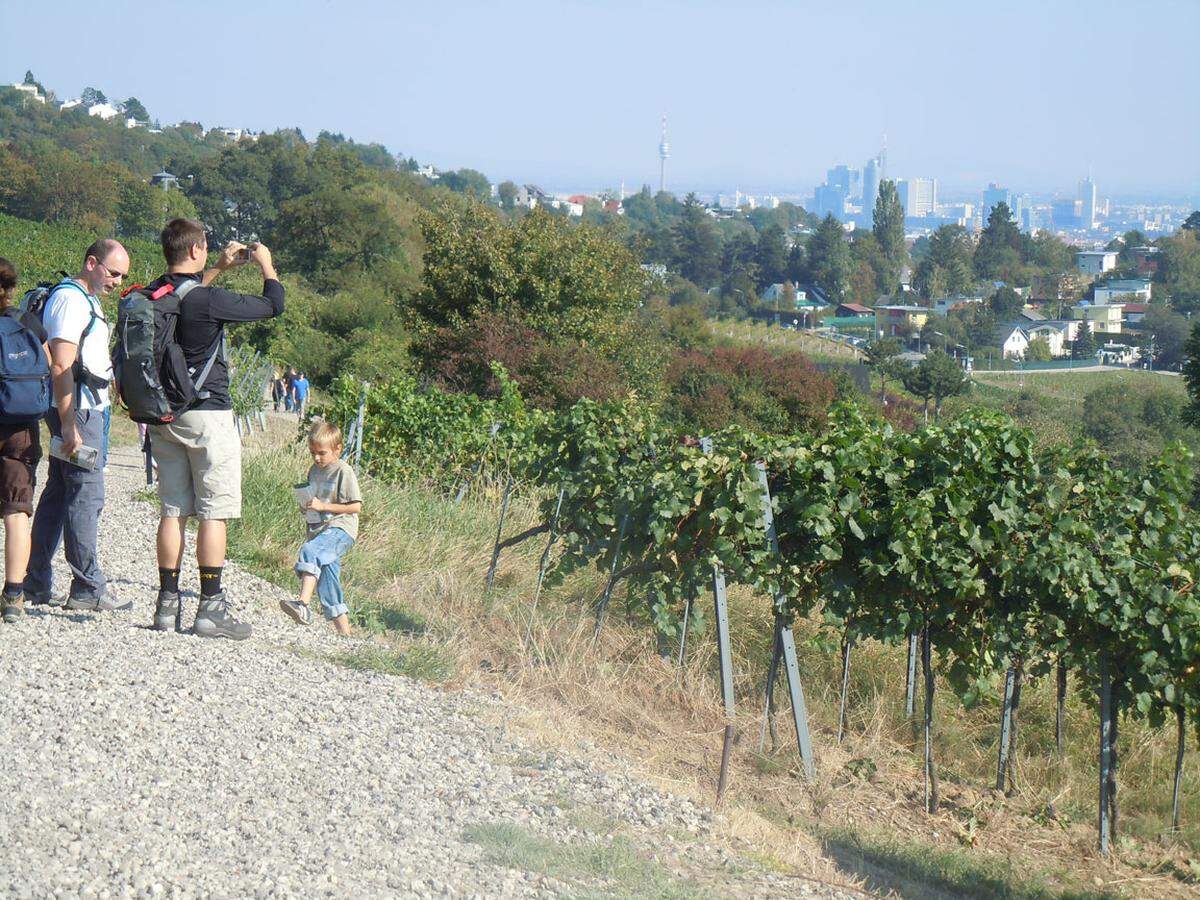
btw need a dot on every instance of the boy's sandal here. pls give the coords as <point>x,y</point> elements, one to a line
<point>297,611</point>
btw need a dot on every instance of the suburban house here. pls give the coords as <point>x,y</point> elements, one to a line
<point>1012,341</point>
<point>1095,262</point>
<point>31,91</point>
<point>1031,315</point>
<point>1111,354</point>
<point>1105,317</point>
<point>1133,313</point>
<point>104,111</point>
<point>164,180</point>
<point>853,311</point>
<point>943,305</point>
<point>900,321</point>
<point>1053,288</point>
<point>1136,289</point>
<point>1058,334</point>
<point>1147,260</point>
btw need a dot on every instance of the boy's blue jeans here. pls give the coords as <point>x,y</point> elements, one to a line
<point>322,556</point>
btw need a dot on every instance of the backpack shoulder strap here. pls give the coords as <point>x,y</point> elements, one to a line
<point>187,287</point>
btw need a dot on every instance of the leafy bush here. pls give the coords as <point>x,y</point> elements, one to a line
<point>775,393</point>
<point>551,374</point>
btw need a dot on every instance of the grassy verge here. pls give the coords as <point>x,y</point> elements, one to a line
<point>415,581</point>
<point>621,868</point>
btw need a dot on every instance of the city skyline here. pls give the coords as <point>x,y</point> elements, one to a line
<point>1032,95</point>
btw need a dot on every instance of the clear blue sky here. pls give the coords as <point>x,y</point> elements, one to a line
<point>758,95</point>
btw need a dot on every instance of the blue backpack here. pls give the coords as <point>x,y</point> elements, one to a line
<point>24,374</point>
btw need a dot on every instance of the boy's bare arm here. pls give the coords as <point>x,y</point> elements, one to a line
<point>338,509</point>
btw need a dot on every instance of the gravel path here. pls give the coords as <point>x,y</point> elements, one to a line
<point>140,763</point>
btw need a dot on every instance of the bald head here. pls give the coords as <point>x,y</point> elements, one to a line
<point>105,265</point>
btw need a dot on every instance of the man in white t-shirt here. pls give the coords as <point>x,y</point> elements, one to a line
<point>70,506</point>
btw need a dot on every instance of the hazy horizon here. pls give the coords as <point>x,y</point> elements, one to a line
<point>764,97</point>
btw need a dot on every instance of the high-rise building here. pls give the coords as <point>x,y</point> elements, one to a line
<point>994,196</point>
<point>829,199</point>
<point>1087,199</point>
<point>918,196</point>
<point>848,179</point>
<point>1066,213</point>
<point>872,175</point>
<point>664,151</point>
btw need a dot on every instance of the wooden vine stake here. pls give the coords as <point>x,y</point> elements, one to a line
<point>930,780</point>
<point>785,643</point>
<point>1180,747</point>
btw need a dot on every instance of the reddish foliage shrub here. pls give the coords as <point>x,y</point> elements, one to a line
<point>551,374</point>
<point>778,393</point>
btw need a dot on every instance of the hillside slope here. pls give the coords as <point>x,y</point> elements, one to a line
<point>152,763</point>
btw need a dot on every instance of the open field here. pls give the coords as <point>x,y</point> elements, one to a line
<point>416,581</point>
<point>819,349</point>
<point>1068,384</point>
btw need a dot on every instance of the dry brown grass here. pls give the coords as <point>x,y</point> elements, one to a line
<point>427,557</point>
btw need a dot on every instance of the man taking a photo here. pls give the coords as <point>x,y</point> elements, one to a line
<point>199,455</point>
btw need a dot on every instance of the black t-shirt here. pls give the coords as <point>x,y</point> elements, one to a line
<point>31,321</point>
<point>203,315</point>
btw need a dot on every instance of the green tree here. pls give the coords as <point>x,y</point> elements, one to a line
<point>888,228</point>
<point>133,109</point>
<point>566,280</point>
<point>1169,331</point>
<point>881,357</point>
<point>1038,350</point>
<point>467,181</point>
<point>1006,304</point>
<point>1179,270</point>
<point>1191,223</point>
<point>1191,375</point>
<point>506,192</point>
<point>697,254</point>
<point>143,210</point>
<point>1000,247</point>
<point>770,255</point>
<point>829,259</point>
<point>947,267</point>
<point>999,251</point>
<point>935,378</point>
<point>92,96</point>
<point>333,234</point>
<point>1084,345</point>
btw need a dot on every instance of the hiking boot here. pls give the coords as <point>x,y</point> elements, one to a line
<point>168,612</point>
<point>214,620</point>
<point>106,602</point>
<point>14,607</point>
<point>45,599</point>
<point>297,610</point>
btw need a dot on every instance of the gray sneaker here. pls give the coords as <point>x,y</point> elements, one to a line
<point>214,620</point>
<point>297,610</point>
<point>14,607</point>
<point>34,599</point>
<point>168,612</point>
<point>106,602</point>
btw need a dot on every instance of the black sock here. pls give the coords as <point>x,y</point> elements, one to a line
<point>210,580</point>
<point>168,580</point>
<point>12,588</point>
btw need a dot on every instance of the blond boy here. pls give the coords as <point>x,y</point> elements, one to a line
<point>332,508</point>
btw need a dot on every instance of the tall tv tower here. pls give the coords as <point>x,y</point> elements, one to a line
<point>664,150</point>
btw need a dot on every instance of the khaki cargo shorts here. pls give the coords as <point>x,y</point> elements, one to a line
<point>199,458</point>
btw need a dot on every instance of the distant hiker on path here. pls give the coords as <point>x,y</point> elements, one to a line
<point>300,390</point>
<point>20,445</point>
<point>70,506</point>
<point>331,504</point>
<point>289,391</point>
<point>278,389</point>
<point>199,455</point>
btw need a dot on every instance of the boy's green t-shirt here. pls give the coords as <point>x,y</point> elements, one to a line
<point>336,483</point>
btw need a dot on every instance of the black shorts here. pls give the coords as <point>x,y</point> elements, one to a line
<point>20,450</point>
